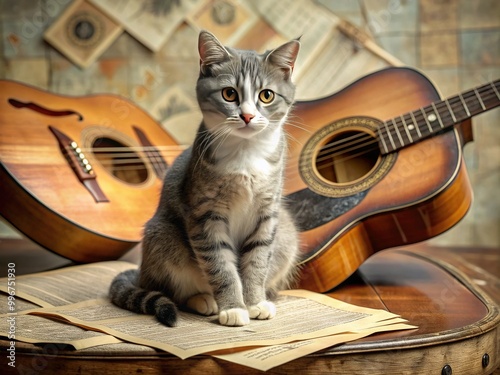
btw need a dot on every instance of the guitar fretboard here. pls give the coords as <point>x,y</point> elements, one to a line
<point>427,121</point>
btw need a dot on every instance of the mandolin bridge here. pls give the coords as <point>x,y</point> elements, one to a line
<point>79,164</point>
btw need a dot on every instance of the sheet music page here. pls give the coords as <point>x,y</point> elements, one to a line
<point>195,334</point>
<point>67,285</point>
<point>268,357</point>
<point>77,297</point>
<point>39,330</point>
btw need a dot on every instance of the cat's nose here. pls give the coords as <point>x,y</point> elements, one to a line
<point>247,117</point>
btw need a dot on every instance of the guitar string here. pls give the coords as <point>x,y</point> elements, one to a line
<point>335,157</point>
<point>330,150</point>
<point>420,122</point>
<point>441,105</point>
<point>455,104</point>
<point>370,140</point>
<point>445,119</point>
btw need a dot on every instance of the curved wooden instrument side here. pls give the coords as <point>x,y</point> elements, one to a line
<point>344,256</point>
<point>425,192</point>
<point>52,231</point>
<point>39,185</point>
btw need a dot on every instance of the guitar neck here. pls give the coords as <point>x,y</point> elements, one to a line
<point>424,122</point>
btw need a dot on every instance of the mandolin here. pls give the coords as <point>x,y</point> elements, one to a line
<point>376,165</point>
<point>80,175</point>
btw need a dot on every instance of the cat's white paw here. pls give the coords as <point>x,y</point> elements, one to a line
<point>203,304</point>
<point>262,310</point>
<point>234,317</point>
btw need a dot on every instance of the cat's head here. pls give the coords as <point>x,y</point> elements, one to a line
<point>242,92</point>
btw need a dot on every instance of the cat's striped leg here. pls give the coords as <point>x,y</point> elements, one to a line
<point>255,256</point>
<point>216,257</point>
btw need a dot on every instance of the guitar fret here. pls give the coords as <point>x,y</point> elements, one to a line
<point>495,89</point>
<point>460,109</point>
<point>464,104</point>
<point>416,125</point>
<point>451,111</point>
<point>427,120</point>
<point>400,127</point>
<point>406,128</point>
<point>390,137</point>
<point>380,136</point>
<point>397,132</point>
<point>480,100</point>
<point>438,116</point>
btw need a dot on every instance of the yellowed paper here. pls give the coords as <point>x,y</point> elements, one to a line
<point>14,304</point>
<point>67,285</point>
<point>266,358</point>
<point>196,334</point>
<point>37,330</point>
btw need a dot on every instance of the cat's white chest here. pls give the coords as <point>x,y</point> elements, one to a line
<point>248,191</point>
<point>243,208</point>
<point>252,166</point>
<point>248,157</point>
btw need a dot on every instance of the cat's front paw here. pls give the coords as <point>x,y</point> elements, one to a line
<point>262,310</point>
<point>234,317</point>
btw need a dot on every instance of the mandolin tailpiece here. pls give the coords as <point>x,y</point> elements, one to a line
<point>79,164</point>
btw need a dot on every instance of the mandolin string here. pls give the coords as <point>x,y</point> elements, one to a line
<point>128,158</point>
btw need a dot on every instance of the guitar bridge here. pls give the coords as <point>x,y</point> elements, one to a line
<point>79,164</point>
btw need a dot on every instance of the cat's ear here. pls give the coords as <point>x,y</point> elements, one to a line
<point>284,56</point>
<point>211,51</point>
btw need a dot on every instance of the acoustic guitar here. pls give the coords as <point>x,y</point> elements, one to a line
<point>376,165</point>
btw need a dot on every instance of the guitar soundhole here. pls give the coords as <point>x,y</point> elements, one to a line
<point>343,158</point>
<point>119,160</point>
<point>347,156</point>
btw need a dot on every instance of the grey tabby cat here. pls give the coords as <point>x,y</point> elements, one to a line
<point>221,241</point>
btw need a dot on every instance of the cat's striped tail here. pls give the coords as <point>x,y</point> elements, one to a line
<point>125,293</point>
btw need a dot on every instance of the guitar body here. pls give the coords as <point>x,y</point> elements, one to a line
<point>424,191</point>
<point>41,195</point>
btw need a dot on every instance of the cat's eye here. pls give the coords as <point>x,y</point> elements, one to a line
<point>229,94</point>
<point>266,96</point>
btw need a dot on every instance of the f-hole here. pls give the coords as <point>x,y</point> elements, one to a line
<point>347,156</point>
<point>44,111</point>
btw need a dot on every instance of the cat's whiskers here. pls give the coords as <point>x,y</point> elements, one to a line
<point>297,124</point>
<point>213,136</point>
<point>292,138</point>
<point>228,133</point>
